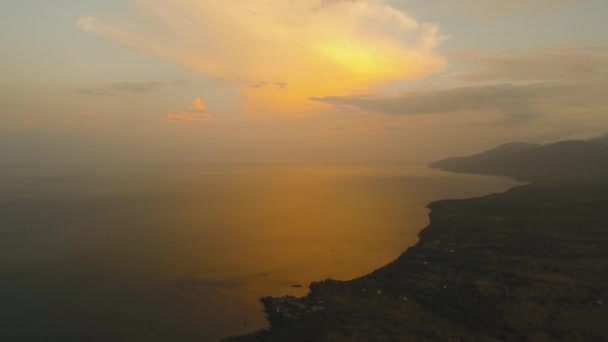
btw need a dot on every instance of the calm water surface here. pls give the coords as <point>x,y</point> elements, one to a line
<point>183,252</point>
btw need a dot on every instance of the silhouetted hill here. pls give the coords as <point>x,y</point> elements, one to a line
<point>572,160</point>
<point>603,140</point>
<point>495,154</point>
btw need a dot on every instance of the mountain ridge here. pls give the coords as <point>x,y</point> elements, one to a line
<point>570,160</point>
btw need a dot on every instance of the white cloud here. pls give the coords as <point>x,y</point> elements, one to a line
<point>129,87</point>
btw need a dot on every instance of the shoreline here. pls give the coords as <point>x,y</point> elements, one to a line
<point>468,277</point>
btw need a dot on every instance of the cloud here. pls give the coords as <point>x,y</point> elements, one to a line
<point>93,91</point>
<point>492,9</point>
<point>280,85</point>
<point>135,87</point>
<point>129,87</point>
<point>516,102</point>
<point>198,105</point>
<point>198,111</point>
<point>189,116</point>
<point>317,47</point>
<point>558,64</point>
<point>520,85</point>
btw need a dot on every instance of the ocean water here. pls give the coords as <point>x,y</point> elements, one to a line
<point>182,252</point>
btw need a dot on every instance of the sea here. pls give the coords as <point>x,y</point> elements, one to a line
<point>184,251</point>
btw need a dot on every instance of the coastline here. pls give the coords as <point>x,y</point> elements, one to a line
<point>501,266</point>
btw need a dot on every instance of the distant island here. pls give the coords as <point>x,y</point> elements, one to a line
<point>527,264</point>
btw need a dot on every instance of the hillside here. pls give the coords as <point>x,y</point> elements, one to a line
<point>573,160</point>
<point>528,264</point>
<point>603,140</point>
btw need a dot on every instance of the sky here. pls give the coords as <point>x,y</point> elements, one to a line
<point>296,81</point>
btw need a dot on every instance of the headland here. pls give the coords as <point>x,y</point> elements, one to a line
<point>527,264</point>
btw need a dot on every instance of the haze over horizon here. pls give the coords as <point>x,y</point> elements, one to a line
<point>304,80</point>
<point>303,170</point>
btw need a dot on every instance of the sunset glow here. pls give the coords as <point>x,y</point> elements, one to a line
<point>416,169</point>
<point>321,80</point>
<point>313,48</point>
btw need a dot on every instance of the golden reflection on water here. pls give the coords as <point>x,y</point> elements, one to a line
<point>260,232</point>
<point>194,248</point>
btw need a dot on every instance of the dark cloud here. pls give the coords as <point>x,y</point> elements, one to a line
<point>130,87</point>
<point>516,102</point>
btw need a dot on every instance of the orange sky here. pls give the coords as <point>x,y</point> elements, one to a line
<point>302,80</point>
<point>281,55</point>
